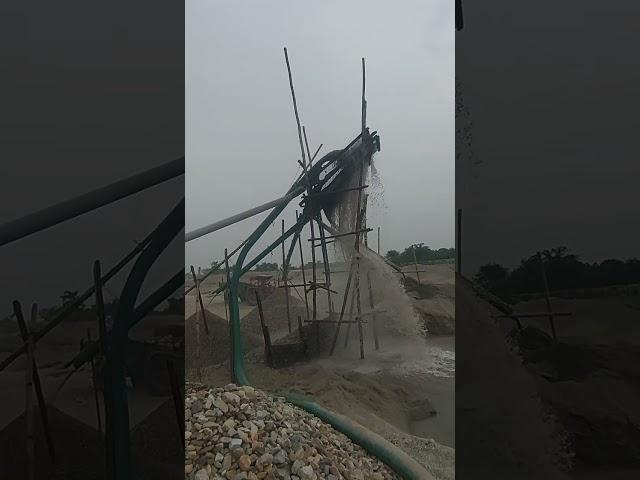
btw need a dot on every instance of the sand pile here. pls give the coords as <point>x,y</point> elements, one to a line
<point>213,348</point>
<point>79,449</point>
<point>496,394</point>
<point>241,433</point>
<point>274,308</point>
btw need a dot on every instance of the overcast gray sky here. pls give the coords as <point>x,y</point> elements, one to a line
<point>241,138</point>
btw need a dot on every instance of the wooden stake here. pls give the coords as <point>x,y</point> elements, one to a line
<point>35,376</point>
<point>199,295</point>
<point>415,263</point>
<point>284,277</point>
<point>265,331</point>
<point>547,295</point>
<point>177,399</point>
<point>378,240</point>
<point>300,328</point>
<point>93,385</point>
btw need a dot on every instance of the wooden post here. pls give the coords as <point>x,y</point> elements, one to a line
<point>106,378</point>
<point>304,278</point>
<point>300,328</point>
<point>231,346</point>
<point>284,277</point>
<point>35,376</point>
<point>547,295</point>
<point>202,309</point>
<point>177,399</point>
<point>93,385</point>
<point>415,263</point>
<point>374,321</point>
<point>265,331</point>
<point>378,240</point>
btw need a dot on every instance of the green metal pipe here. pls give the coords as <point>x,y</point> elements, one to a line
<point>117,349</point>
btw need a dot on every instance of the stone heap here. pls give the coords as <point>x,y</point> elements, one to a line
<point>241,433</point>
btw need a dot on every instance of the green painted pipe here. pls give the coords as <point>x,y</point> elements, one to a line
<point>395,458</point>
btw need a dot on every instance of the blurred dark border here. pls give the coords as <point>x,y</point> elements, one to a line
<point>92,95</point>
<point>547,291</point>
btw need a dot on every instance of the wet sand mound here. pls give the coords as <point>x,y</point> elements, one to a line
<point>496,394</point>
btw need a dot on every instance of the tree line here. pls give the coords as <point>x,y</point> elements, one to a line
<point>564,270</point>
<point>422,252</point>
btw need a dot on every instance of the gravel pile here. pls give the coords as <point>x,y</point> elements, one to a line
<point>240,433</point>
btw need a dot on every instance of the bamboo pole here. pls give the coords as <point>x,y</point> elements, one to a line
<point>350,315</point>
<point>199,296</point>
<point>378,240</point>
<point>198,346</point>
<point>231,346</point>
<point>304,164</point>
<point>547,296</point>
<point>344,304</point>
<point>415,264</point>
<point>28,407</point>
<point>304,278</point>
<point>106,378</point>
<point>284,278</point>
<point>218,265</point>
<point>35,376</point>
<point>325,255</point>
<point>93,385</point>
